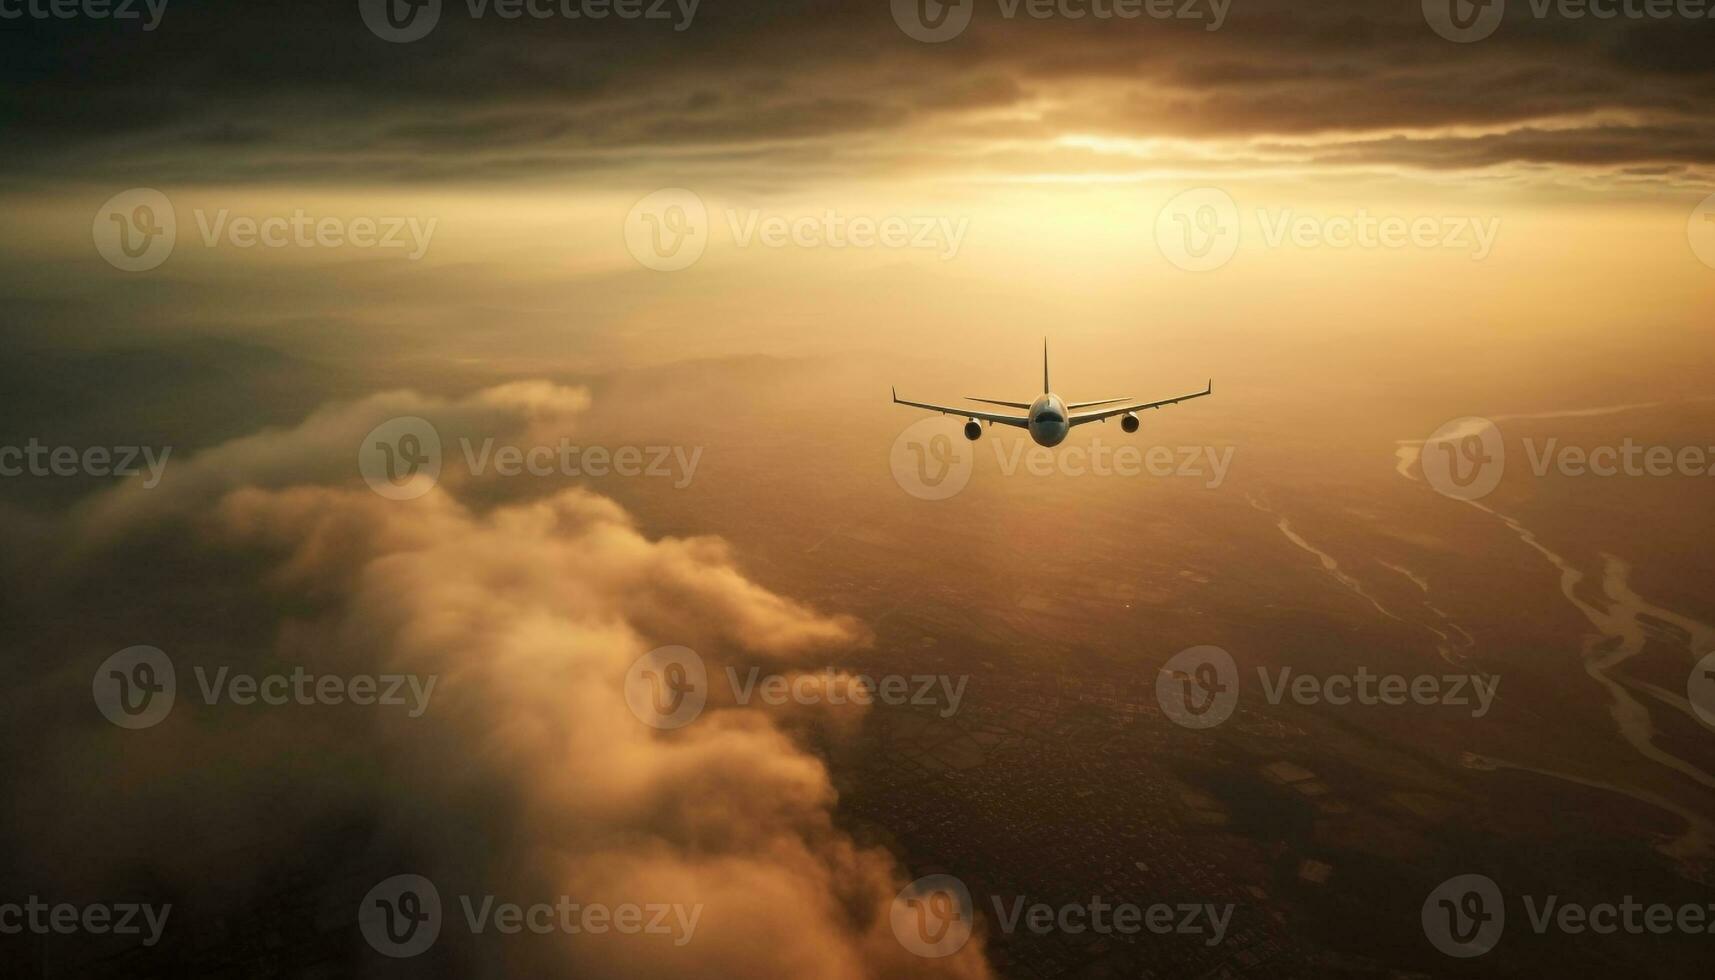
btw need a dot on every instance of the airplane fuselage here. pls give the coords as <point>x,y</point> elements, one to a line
<point>1048,416</point>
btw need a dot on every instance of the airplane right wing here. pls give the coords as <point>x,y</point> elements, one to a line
<point>1083,417</point>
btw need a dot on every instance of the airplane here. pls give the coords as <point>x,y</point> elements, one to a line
<point>1048,418</point>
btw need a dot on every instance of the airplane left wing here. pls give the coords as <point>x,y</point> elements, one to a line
<point>967,413</point>
<point>1080,419</point>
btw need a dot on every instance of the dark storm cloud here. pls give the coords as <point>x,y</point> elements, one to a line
<point>1597,145</point>
<point>224,91</point>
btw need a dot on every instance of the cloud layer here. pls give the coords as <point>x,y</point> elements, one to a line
<point>817,89</point>
<point>528,777</point>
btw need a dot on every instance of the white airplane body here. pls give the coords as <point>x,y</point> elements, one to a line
<point>1049,418</point>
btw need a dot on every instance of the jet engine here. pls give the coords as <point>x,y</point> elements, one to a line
<point>1129,422</point>
<point>973,431</point>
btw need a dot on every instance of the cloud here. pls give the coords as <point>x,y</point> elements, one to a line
<point>805,89</point>
<point>527,778</point>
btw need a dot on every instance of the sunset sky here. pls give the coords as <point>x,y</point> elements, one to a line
<point>1054,144</point>
<point>735,226</point>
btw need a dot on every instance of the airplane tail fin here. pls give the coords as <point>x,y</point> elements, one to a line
<point>1045,365</point>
